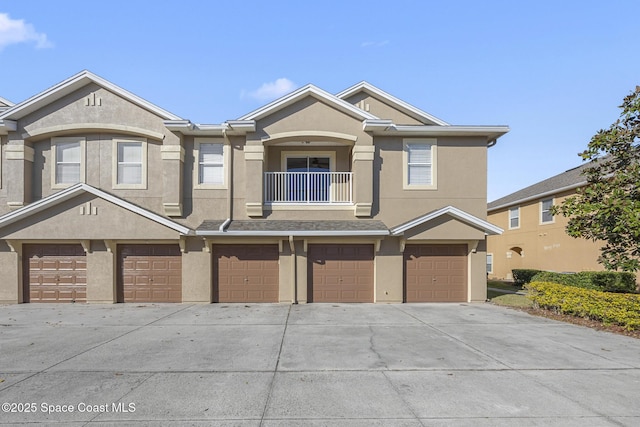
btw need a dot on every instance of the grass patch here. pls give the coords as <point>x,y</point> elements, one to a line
<point>512,300</point>
<point>507,286</point>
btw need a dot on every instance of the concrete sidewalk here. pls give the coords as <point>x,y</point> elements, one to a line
<point>315,364</point>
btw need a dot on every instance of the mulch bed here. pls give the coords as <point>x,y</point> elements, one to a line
<point>589,323</point>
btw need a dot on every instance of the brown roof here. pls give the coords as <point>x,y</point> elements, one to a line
<point>570,179</point>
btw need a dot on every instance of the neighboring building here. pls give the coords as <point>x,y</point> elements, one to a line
<point>354,197</point>
<point>533,238</point>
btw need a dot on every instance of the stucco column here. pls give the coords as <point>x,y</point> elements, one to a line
<point>197,265</point>
<point>287,276</point>
<point>301,273</point>
<point>11,272</point>
<point>172,173</point>
<point>101,273</point>
<point>388,269</point>
<point>19,166</point>
<point>362,167</point>
<point>254,166</point>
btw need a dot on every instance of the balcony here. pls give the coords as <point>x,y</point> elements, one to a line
<point>308,188</point>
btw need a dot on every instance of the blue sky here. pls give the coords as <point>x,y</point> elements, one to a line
<point>554,71</point>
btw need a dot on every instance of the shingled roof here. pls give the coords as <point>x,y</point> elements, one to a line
<point>298,228</point>
<point>573,178</point>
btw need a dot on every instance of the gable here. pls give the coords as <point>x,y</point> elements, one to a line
<point>442,216</point>
<point>381,109</point>
<point>91,107</point>
<point>86,217</point>
<point>306,114</point>
<point>305,92</point>
<point>72,84</point>
<point>362,89</point>
<point>444,227</point>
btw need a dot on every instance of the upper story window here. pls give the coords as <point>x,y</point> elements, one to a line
<point>545,211</point>
<point>67,158</point>
<point>514,218</point>
<point>419,164</point>
<point>130,165</point>
<point>210,159</point>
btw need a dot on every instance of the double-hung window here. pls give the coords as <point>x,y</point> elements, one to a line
<point>130,165</point>
<point>67,161</point>
<point>490,263</point>
<point>209,170</point>
<point>420,164</point>
<point>514,217</point>
<point>545,211</point>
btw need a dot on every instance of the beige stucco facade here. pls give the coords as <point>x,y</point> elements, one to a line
<point>363,132</point>
<point>534,244</point>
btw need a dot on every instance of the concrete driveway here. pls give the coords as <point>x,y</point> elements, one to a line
<point>323,364</point>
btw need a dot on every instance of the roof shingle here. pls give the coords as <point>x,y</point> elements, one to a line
<point>569,179</point>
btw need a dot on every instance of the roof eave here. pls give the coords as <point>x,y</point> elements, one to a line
<point>7,126</point>
<point>185,127</point>
<point>491,133</point>
<point>538,196</point>
<point>296,233</point>
<point>311,90</point>
<point>72,84</point>
<point>6,102</point>
<point>403,106</point>
<point>461,215</point>
<point>74,191</point>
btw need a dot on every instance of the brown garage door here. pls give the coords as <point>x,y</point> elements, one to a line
<point>150,273</point>
<point>435,273</point>
<point>246,273</point>
<point>55,273</point>
<point>340,273</point>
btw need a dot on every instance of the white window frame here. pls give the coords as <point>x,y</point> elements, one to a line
<point>330,154</point>
<point>143,144</point>
<point>433,142</point>
<point>489,254</point>
<point>515,209</point>
<point>196,166</point>
<point>54,159</point>
<point>553,219</point>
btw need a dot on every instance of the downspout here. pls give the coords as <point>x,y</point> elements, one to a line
<point>229,179</point>
<point>224,225</point>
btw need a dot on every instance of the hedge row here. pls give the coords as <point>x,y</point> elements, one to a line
<point>523,276</point>
<point>609,308</point>
<point>606,281</point>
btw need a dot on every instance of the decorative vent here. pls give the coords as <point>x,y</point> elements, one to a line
<point>87,209</point>
<point>93,101</point>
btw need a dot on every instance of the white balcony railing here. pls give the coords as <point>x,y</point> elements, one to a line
<point>321,188</point>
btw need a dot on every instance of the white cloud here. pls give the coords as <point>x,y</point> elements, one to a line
<point>14,31</point>
<point>271,90</point>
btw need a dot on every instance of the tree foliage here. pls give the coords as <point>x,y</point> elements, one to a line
<point>607,209</point>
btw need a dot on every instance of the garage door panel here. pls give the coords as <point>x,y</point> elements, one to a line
<point>54,273</point>
<point>340,273</point>
<point>150,273</point>
<point>435,273</point>
<point>246,273</point>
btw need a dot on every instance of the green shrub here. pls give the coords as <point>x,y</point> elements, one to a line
<point>606,281</point>
<point>607,307</point>
<point>523,276</point>
<point>614,281</point>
